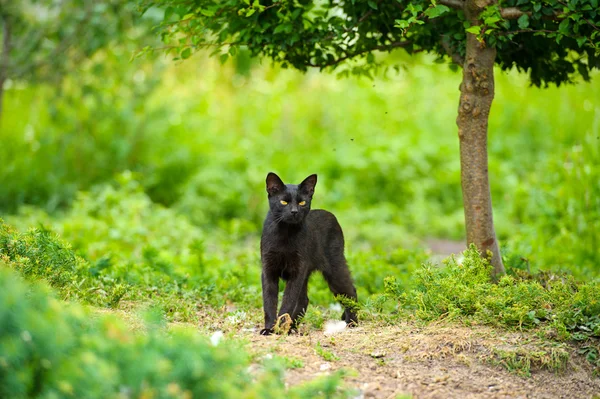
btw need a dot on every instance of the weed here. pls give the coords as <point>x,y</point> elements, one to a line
<point>521,361</point>
<point>325,354</point>
<point>293,363</point>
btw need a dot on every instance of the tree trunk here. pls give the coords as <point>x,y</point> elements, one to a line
<point>477,93</point>
<point>6,39</point>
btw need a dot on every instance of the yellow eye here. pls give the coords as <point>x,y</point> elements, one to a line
<point>302,203</point>
<point>283,202</point>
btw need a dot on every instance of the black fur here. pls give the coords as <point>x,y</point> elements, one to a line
<point>295,242</point>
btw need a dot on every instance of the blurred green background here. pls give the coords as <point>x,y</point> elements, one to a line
<point>199,137</point>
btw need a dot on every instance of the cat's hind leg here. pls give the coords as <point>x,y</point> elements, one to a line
<point>340,283</point>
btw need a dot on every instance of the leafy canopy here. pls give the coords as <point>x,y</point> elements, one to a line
<point>555,40</point>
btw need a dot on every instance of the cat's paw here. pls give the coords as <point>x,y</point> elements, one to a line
<point>293,330</point>
<point>351,323</point>
<point>266,331</point>
<point>350,318</point>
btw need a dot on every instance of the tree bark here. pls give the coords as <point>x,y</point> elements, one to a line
<point>477,93</point>
<point>6,42</point>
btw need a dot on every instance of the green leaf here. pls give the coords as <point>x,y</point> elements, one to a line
<point>208,13</point>
<point>523,21</point>
<point>401,23</point>
<point>372,4</point>
<point>168,12</point>
<point>492,20</point>
<point>475,29</point>
<point>279,28</point>
<point>564,26</point>
<point>537,7</point>
<point>223,58</point>
<point>186,53</point>
<point>581,41</point>
<point>434,12</point>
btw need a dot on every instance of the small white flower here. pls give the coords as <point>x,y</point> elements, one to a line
<point>216,338</point>
<point>325,366</point>
<point>334,327</point>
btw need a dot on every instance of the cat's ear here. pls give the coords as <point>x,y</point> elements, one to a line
<point>308,185</point>
<point>274,184</point>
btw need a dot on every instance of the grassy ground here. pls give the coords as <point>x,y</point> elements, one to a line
<point>449,333</point>
<point>413,359</point>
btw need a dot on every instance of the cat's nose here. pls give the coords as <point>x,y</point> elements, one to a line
<point>294,211</point>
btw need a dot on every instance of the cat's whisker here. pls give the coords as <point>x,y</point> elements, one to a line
<point>276,221</point>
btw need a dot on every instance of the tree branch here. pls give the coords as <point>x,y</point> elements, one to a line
<point>512,13</point>
<point>506,13</point>
<point>6,44</point>
<point>4,61</point>
<point>457,4</point>
<point>516,13</point>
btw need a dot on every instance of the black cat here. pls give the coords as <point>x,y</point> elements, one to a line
<point>295,242</point>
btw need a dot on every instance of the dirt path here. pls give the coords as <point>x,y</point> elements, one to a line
<point>437,362</point>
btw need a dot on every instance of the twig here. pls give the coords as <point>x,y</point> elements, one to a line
<point>513,13</point>
<point>457,4</point>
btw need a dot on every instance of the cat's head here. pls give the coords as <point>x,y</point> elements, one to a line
<point>290,203</point>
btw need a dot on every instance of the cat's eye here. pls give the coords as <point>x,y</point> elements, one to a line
<point>283,202</point>
<point>302,203</point>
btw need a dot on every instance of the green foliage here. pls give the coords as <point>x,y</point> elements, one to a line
<point>552,40</point>
<point>557,304</point>
<point>49,349</point>
<point>390,177</point>
<point>39,254</point>
<point>177,279</point>
<point>130,249</point>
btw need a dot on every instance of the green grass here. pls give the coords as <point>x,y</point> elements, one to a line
<point>522,361</point>
<point>326,354</point>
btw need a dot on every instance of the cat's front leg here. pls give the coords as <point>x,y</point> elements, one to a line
<point>295,289</point>
<point>270,289</point>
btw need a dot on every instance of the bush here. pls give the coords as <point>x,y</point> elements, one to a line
<point>463,290</point>
<point>50,349</point>
<point>122,237</point>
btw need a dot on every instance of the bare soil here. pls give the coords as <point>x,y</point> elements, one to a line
<point>433,362</point>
